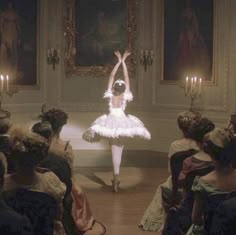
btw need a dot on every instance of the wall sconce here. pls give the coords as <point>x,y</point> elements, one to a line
<point>53,57</point>
<point>146,58</point>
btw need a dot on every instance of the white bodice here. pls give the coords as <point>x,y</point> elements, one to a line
<point>127,96</point>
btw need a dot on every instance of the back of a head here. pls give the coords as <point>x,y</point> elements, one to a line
<point>185,120</point>
<point>27,148</point>
<point>199,128</point>
<point>56,117</point>
<point>220,146</point>
<point>118,87</point>
<point>43,128</point>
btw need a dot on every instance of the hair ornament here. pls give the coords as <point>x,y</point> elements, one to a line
<point>119,82</point>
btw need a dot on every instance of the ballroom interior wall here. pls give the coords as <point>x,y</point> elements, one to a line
<point>156,103</point>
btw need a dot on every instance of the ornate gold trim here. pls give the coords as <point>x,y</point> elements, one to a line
<point>97,71</point>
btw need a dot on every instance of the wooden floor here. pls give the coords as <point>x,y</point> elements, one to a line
<point>122,211</point>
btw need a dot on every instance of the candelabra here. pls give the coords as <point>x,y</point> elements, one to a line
<point>146,58</point>
<point>193,89</point>
<point>53,57</point>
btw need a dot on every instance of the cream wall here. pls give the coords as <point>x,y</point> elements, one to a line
<point>157,104</point>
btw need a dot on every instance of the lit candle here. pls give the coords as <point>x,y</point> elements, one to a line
<point>195,83</point>
<point>191,88</point>
<point>2,83</point>
<point>200,86</point>
<point>186,85</point>
<point>7,83</point>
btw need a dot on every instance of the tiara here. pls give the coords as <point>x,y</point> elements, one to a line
<point>119,81</point>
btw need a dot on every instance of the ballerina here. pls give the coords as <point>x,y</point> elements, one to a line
<point>116,126</point>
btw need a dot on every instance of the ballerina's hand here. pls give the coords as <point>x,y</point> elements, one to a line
<point>118,55</point>
<point>126,54</point>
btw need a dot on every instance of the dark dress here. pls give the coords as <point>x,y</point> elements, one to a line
<point>12,223</point>
<point>205,192</point>
<point>179,219</point>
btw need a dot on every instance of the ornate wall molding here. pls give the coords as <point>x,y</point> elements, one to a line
<point>215,95</point>
<point>70,35</point>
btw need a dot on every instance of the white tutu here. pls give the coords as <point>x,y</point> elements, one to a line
<point>117,124</point>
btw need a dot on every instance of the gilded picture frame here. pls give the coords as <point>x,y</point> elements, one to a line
<point>19,42</point>
<point>198,60</point>
<point>89,52</point>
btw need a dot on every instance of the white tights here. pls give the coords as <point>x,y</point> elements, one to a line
<point>116,157</point>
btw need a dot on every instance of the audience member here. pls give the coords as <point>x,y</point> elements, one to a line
<point>81,211</point>
<point>11,223</point>
<point>219,145</point>
<point>201,159</point>
<point>154,216</point>
<point>179,219</point>
<point>28,149</point>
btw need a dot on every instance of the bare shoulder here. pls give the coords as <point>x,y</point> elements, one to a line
<point>209,178</point>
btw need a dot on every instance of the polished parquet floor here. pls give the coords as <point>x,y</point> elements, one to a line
<point>122,211</point>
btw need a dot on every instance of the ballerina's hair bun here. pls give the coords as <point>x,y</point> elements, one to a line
<point>118,87</point>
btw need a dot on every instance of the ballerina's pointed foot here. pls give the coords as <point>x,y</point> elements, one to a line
<point>115,184</point>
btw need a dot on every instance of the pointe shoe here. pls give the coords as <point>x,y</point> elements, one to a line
<point>115,184</point>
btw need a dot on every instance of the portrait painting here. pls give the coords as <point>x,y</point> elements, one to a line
<point>100,28</point>
<point>188,42</point>
<point>18,41</point>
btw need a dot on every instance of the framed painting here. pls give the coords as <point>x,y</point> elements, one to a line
<point>94,30</point>
<point>18,41</point>
<point>188,39</point>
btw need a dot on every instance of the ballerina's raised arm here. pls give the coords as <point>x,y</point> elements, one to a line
<point>125,71</point>
<point>113,72</point>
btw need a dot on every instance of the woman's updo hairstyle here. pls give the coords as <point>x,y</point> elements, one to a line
<point>199,128</point>
<point>43,128</point>
<point>220,146</point>
<point>118,87</point>
<point>27,148</point>
<point>185,120</point>
<point>56,117</point>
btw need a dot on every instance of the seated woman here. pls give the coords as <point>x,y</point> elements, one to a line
<point>219,145</point>
<point>9,218</point>
<point>179,220</point>
<point>81,211</point>
<point>28,149</point>
<point>200,160</point>
<point>154,216</point>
